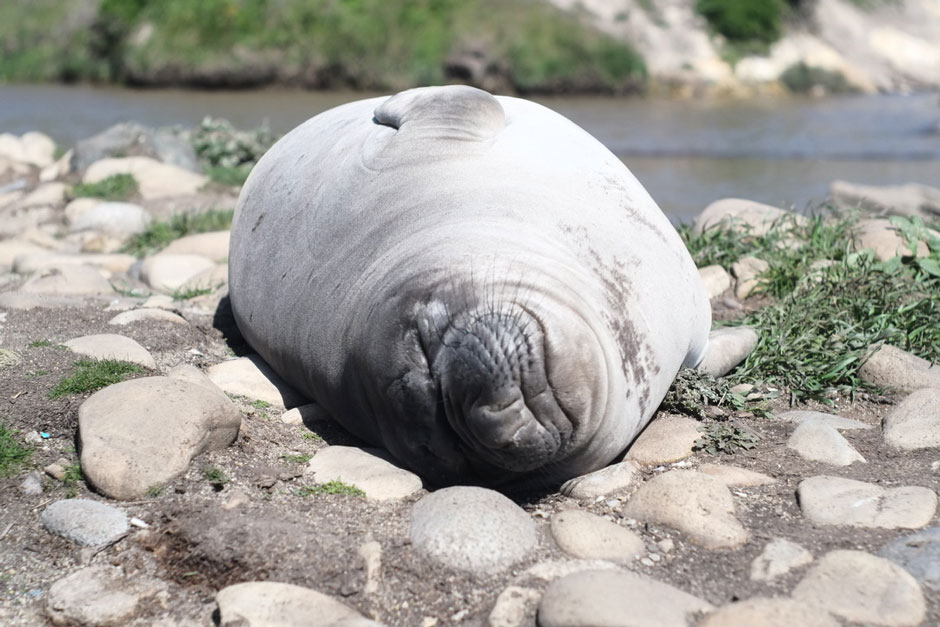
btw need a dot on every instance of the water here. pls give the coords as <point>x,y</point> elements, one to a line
<point>782,151</point>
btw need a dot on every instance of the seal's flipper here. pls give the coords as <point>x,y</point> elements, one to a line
<point>455,112</point>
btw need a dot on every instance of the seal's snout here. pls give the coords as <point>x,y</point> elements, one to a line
<point>491,375</point>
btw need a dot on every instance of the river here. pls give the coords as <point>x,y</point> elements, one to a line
<point>782,151</point>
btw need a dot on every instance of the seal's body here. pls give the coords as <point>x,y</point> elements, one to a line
<point>472,282</point>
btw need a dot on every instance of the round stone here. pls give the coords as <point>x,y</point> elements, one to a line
<point>588,536</point>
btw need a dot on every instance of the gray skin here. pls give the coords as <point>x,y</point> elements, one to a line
<point>472,282</point>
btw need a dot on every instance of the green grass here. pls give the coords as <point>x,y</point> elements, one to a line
<point>190,292</point>
<point>816,333</point>
<point>159,234</point>
<point>90,375</point>
<point>40,343</point>
<point>310,435</point>
<point>114,187</point>
<point>801,78</point>
<point>297,458</point>
<point>13,452</point>
<point>331,487</point>
<point>215,476</point>
<point>744,21</point>
<point>231,176</point>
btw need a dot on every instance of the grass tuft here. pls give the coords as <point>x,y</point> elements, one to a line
<point>13,452</point>
<point>159,234</point>
<point>297,458</point>
<point>91,375</point>
<point>331,487</point>
<point>115,187</point>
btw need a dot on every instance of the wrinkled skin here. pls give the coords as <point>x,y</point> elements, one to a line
<point>472,282</point>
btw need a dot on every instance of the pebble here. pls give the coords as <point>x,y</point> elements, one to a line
<point>742,215</point>
<point>46,194</point>
<point>85,522</point>
<point>692,502</point>
<point>68,279</point>
<point>816,441</point>
<point>251,377</point>
<point>95,596</point>
<point>113,263</point>
<point>666,439</point>
<point>615,597</point>
<point>779,557</point>
<point>735,477</point>
<point>892,368</point>
<point>918,554</point>
<point>747,270</point>
<point>147,314</point>
<point>213,245</point>
<point>368,469</point>
<point>112,346</point>
<point>837,501</point>
<point>140,434</point>
<point>832,420</point>
<point>273,604</point>
<point>32,484</point>
<point>914,423</point>
<point>75,208</point>
<point>56,470</point>
<point>169,272</point>
<point>472,529</point>
<point>515,606</point>
<point>763,612</point>
<point>154,179</point>
<point>602,482</point>
<point>884,239</point>
<point>862,588</point>
<point>113,218</point>
<point>588,536</point>
<point>716,280</point>
<point>727,348</point>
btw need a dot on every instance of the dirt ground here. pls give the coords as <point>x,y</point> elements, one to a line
<point>196,547</point>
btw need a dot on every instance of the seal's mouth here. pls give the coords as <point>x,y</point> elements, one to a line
<point>491,373</point>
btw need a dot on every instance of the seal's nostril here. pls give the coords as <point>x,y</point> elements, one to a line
<point>497,424</point>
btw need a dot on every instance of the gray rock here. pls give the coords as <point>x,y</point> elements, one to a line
<point>130,138</point>
<point>95,596</point>
<point>816,441</point>
<point>272,604</point>
<point>918,554</point>
<point>742,215</point>
<point>142,433</point>
<point>67,280</point>
<point>838,501</point>
<point>761,612</point>
<point>370,470</point>
<point>111,263</point>
<point>251,377</point>
<point>716,280</point>
<point>86,522</point>
<point>155,179</point>
<point>836,422</point>
<point>515,607</point>
<point>735,477</point>
<point>896,369</point>
<point>602,482</point>
<point>885,240</point>
<point>862,588</point>
<point>588,536</point>
<point>914,423</point>
<point>908,200</point>
<point>32,484</point>
<point>694,503</point>
<point>169,272</point>
<point>665,439</point>
<point>727,348</point>
<point>611,597</point>
<point>147,314</point>
<point>472,529</point>
<point>10,249</point>
<point>747,270</point>
<point>213,245</point>
<point>112,346</point>
<point>779,557</point>
<point>116,218</point>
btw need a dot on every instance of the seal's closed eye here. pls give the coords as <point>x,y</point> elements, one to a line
<point>459,112</point>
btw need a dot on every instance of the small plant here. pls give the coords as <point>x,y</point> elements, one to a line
<point>260,404</point>
<point>186,293</point>
<point>298,458</point>
<point>220,145</point>
<point>757,21</point>
<point>724,438</point>
<point>158,234</point>
<point>231,176</point>
<point>801,78</point>
<point>73,475</point>
<point>40,344</point>
<point>114,187</point>
<point>310,435</point>
<point>331,487</point>
<point>91,375</point>
<point>155,490</point>
<point>13,452</point>
<point>37,373</point>
<point>215,476</point>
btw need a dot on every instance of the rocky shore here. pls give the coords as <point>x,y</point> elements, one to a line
<point>153,471</point>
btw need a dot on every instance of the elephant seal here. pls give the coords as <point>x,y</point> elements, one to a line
<point>472,282</point>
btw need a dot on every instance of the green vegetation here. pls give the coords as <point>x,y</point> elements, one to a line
<point>310,435</point>
<point>185,293</point>
<point>756,22</point>
<point>331,487</point>
<point>91,375</point>
<point>40,343</point>
<point>364,44</point>
<point>297,459</point>
<point>13,452</point>
<point>114,187</point>
<point>816,333</point>
<point>228,154</point>
<point>723,437</point>
<point>801,78</point>
<point>215,476</point>
<point>155,490</point>
<point>693,392</point>
<point>159,234</point>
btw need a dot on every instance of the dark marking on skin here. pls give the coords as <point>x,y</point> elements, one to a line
<point>257,222</point>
